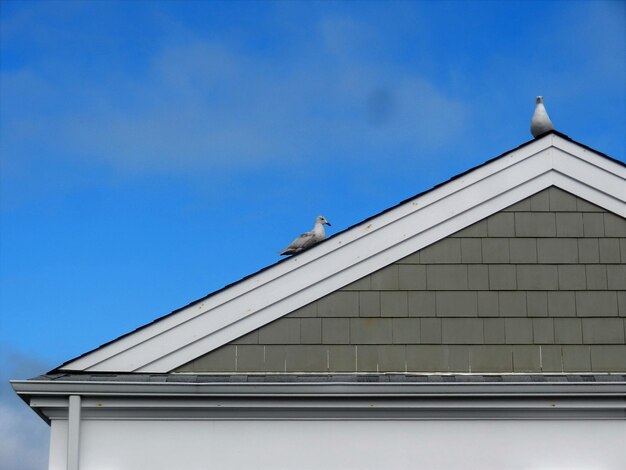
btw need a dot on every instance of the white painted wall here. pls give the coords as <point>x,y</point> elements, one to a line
<point>58,445</point>
<point>275,445</point>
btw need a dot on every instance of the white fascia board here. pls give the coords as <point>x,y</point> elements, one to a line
<point>270,401</point>
<point>384,239</point>
<point>554,385</point>
<point>596,179</point>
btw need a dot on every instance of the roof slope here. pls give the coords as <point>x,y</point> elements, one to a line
<point>173,340</point>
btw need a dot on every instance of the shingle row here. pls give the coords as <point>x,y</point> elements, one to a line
<point>462,303</point>
<point>339,377</point>
<point>412,358</point>
<point>363,331</point>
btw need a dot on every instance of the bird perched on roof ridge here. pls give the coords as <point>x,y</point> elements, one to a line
<point>308,239</point>
<point>540,123</point>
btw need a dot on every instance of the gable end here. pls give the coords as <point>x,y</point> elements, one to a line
<point>538,287</point>
<point>258,300</point>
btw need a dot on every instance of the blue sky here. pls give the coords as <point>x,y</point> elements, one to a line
<point>153,152</point>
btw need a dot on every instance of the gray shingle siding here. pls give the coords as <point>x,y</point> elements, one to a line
<point>538,287</point>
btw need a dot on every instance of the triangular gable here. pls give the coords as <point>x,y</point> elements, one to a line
<point>174,340</point>
<point>535,288</point>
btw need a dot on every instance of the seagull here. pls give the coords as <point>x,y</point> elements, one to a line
<point>308,239</point>
<point>540,123</point>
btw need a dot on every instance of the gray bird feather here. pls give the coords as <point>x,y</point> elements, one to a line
<point>540,123</point>
<point>308,239</point>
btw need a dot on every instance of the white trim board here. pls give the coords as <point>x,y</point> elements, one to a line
<point>195,330</point>
<point>105,400</point>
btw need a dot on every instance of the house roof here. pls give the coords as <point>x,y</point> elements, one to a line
<point>328,378</point>
<point>551,160</point>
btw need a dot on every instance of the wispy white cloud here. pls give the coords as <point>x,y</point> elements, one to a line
<point>23,443</point>
<point>24,437</point>
<point>207,103</point>
<point>344,90</point>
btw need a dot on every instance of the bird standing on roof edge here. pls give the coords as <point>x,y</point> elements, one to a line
<point>540,123</point>
<point>308,239</point>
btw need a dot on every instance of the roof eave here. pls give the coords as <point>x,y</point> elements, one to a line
<point>336,400</point>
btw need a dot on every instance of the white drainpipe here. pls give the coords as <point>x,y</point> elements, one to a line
<point>73,432</point>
